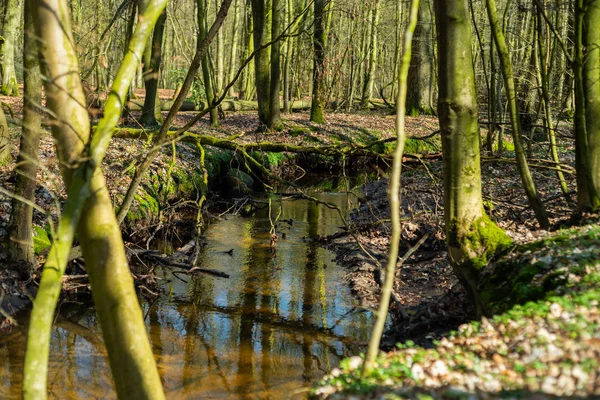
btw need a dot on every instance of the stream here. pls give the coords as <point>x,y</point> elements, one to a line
<point>277,325</point>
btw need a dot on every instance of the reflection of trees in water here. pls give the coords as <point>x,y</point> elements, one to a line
<point>195,333</point>
<point>253,322</point>
<point>308,293</point>
<point>259,296</point>
<point>248,298</point>
<point>156,340</point>
<point>11,366</point>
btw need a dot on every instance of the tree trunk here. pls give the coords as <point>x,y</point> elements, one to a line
<point>130,355</point>
<point>509,82</point>
<point>248,72</point>
<point>587,103</point>
<point>289,47</point>
<point>5,145</point>
<point>234,45</point>
<point>373,53</point>
<point>419,98</point>
<point>7,51</point>
<point>275,83</point>
<point>220,70</point>
<point>591,85</point>
<point>209,90</point>
<point>473,239</point>
<point>261,17</point>
<point>317,110</point>
<point>543,76</point>
<point>20,227</point>
<point>151,114</point>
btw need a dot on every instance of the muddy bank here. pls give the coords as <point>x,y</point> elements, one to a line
<point>426,300</point>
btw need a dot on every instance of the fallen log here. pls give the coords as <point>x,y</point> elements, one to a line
<point>342,149</point>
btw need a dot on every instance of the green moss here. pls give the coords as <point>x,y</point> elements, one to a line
<point>506,146</point>
<point>147,207</point>
<point>217,161</point>
<point>41,240</point>
<point>188,183</point>
<point>298,130</point>
<point>417,146</point>
<point>271,160</point>
<point>412,146</point>
<point>312,139</point>
<point>544,268</point>
<point>481,240</point>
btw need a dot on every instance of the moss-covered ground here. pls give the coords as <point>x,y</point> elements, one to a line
<point>542,342</point>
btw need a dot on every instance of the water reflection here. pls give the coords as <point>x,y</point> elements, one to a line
<point>279,323</point>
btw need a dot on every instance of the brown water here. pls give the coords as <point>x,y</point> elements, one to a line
<point>272,329</point>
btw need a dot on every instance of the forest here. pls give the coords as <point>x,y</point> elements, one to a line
<point>322,199</point>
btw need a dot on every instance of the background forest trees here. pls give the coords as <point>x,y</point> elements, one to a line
<point>347,51</point>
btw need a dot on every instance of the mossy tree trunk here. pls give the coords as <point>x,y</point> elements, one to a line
<point>20,227</point>
<point>9,33</point>
<point>471,236</point>
<point>207,77</point>
<point>151,114</point>
<point>421,76</point>
<point>591,84</point>
<point>80,155</point>
<point>587,103</point>
<point>509,82</point>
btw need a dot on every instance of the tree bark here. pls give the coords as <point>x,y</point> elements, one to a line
<point>509,82</point>
<point>471,236</point>
<point>289,47</point>
<point>5,144</point>
<point>234,45</point>
<point>130,355</point>
<point>586,71</point>
<point>419,99</point>
<point>151,114</point>
<point>591,87</point>
<point>317,110</point>
<point>248,72</point>
<point>9,33</point>
<point>20,227</point>
<point>372,50</point>
<point>275,76</point>
<point>207,77</point>
<point>261,17</point>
